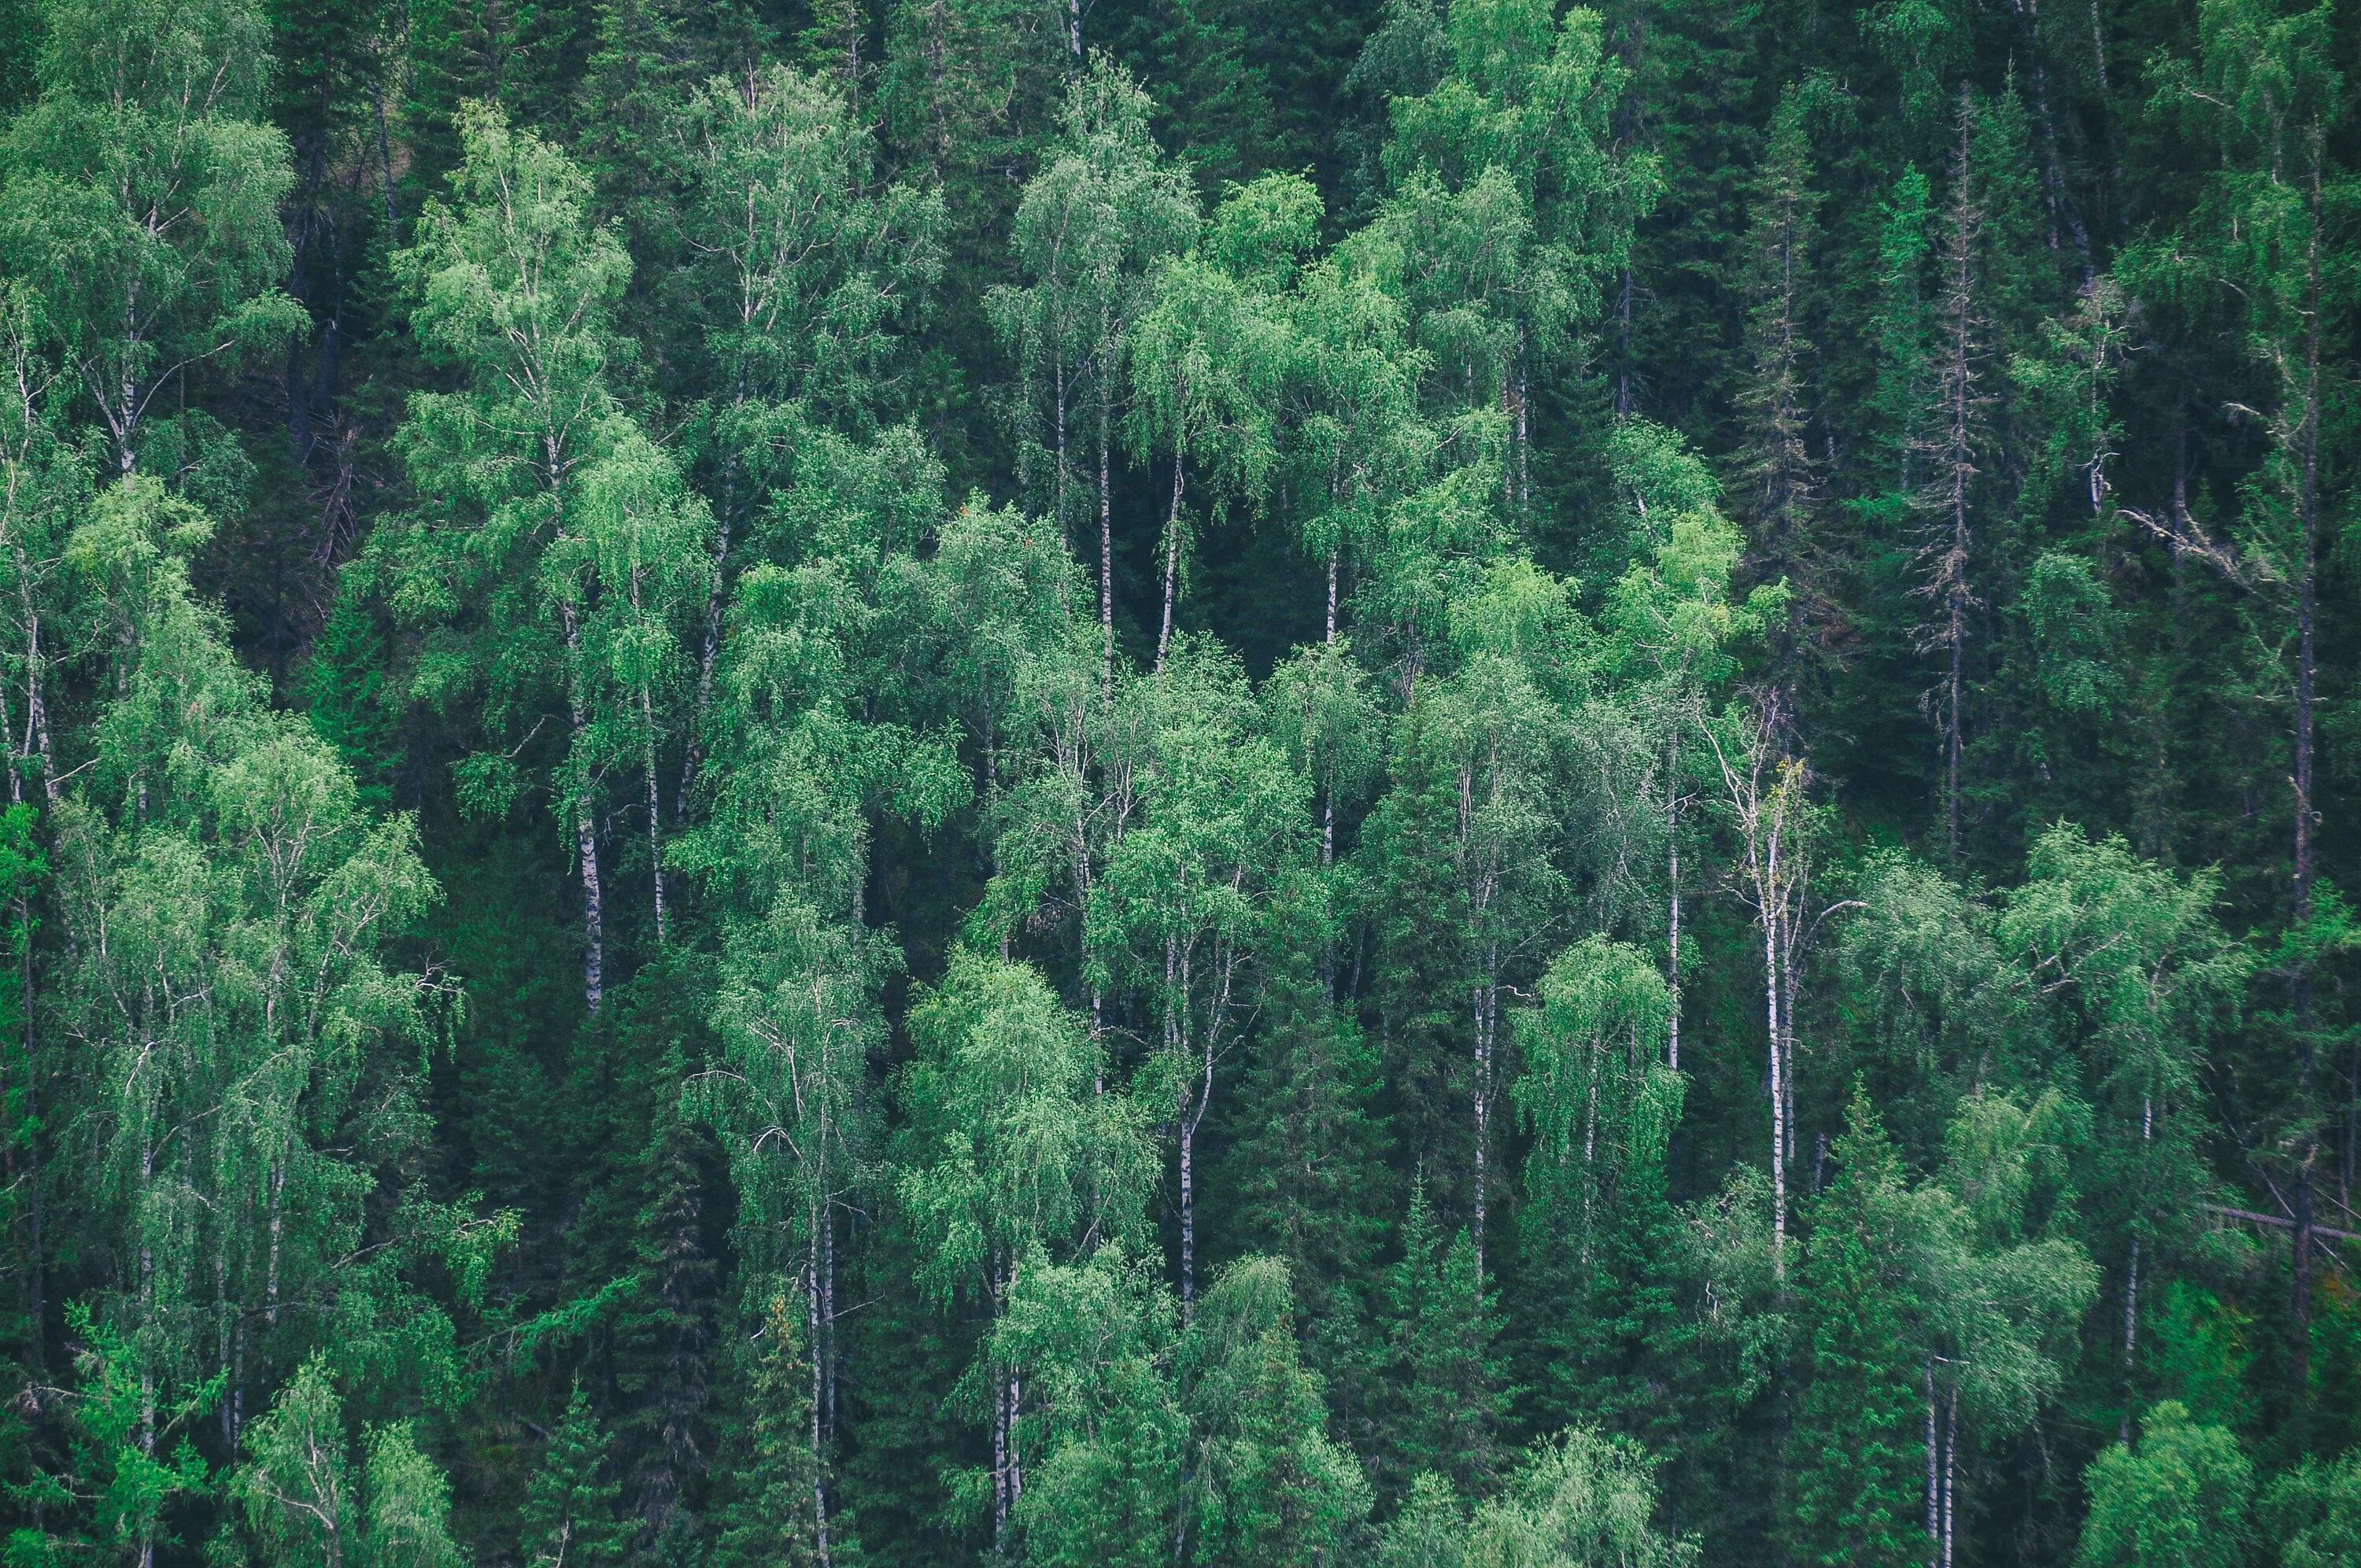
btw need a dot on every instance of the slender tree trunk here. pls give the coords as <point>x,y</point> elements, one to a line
<point>1203,1096</point>
<point>2307,588</point>
<point>2132,1281</point>
<point>655,812</point>
<point>36,745</point>
<point>812,1336</point>
<point>1673,926</point>
<point>1951,1471</point>
<point>1786,1001</point>
<point>1934,1479</point>
<point>1106,561</point>
<point>1016,1450</point>
<point>1486,1007</point>
<point>594,919</point>
<point>1950,551</point>
<point>828,1320</point>
<point>1624,311</point>
<point>1333,551</point>
<point>1589,1145</point>
<point>1000,1423</point>
<point>586,833</point>
<point>1061,481</point>
<point>37,706</point>
<point>1524,433</point>
<point>1778,1087</point>
<point>278,1232</point>
<point>850,48</point>
<point>709,649</point>
<point>1171,560</point>
<point>37,1273</point>
<point>1955,636</point>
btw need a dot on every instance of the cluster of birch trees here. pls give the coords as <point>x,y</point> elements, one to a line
<point>960,782</point>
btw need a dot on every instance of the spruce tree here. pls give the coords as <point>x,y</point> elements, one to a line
<point>568,1516</point>
<point>1422,986</point>
<point>1783,476</point>
<point>1441,1331</point>
<point>771,1507</point>
<point>1859,1477</point>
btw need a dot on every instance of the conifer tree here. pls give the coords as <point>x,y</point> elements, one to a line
<point>1424,971</point>
<point>1781,475</point>
<point>1951,450</point>
<point>774,1511</point>
<point>1268,1486</point>
<point>1903,325</point>
<point>2266,95</point>
<point>1440,1324</point>
<point>1306,1154</point>
<point>1857,1476</point>
<point>128,1454</point>
<point>569,1513</point>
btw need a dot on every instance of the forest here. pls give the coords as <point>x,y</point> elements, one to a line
<point>1242,783</point>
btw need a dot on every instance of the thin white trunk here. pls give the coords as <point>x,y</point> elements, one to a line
<point>1934,1479</point>
<point>1778,1091</point>
<point>1171,563</point>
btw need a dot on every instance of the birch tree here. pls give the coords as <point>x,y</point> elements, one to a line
<point>141,207</point>
<point>1093,224</point>
<point>514,289</point>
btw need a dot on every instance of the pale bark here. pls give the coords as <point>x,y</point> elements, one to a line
<point>1171,560</point>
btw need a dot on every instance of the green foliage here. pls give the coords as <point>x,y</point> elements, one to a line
<point>768,1515</point>
<point>569,1514</point>
<point>1103,212</point>
<point>306,1507</point>
<point>1270,1486</point>
<point>127,1459</point>
<point>2181,1497</point>
<point>1202,685</point>
<point>141,198</point>
<point>1438,1314</point>
<point>2316,1513</point>
<point>1013,1145</point>
<point>246,896</point>
<point>1859,1479</point>
<point>1578,1499</point>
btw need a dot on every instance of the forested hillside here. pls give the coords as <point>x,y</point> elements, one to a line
<point>1251,784</point>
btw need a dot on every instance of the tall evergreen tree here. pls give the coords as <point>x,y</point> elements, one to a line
<point>1857,1477</point>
